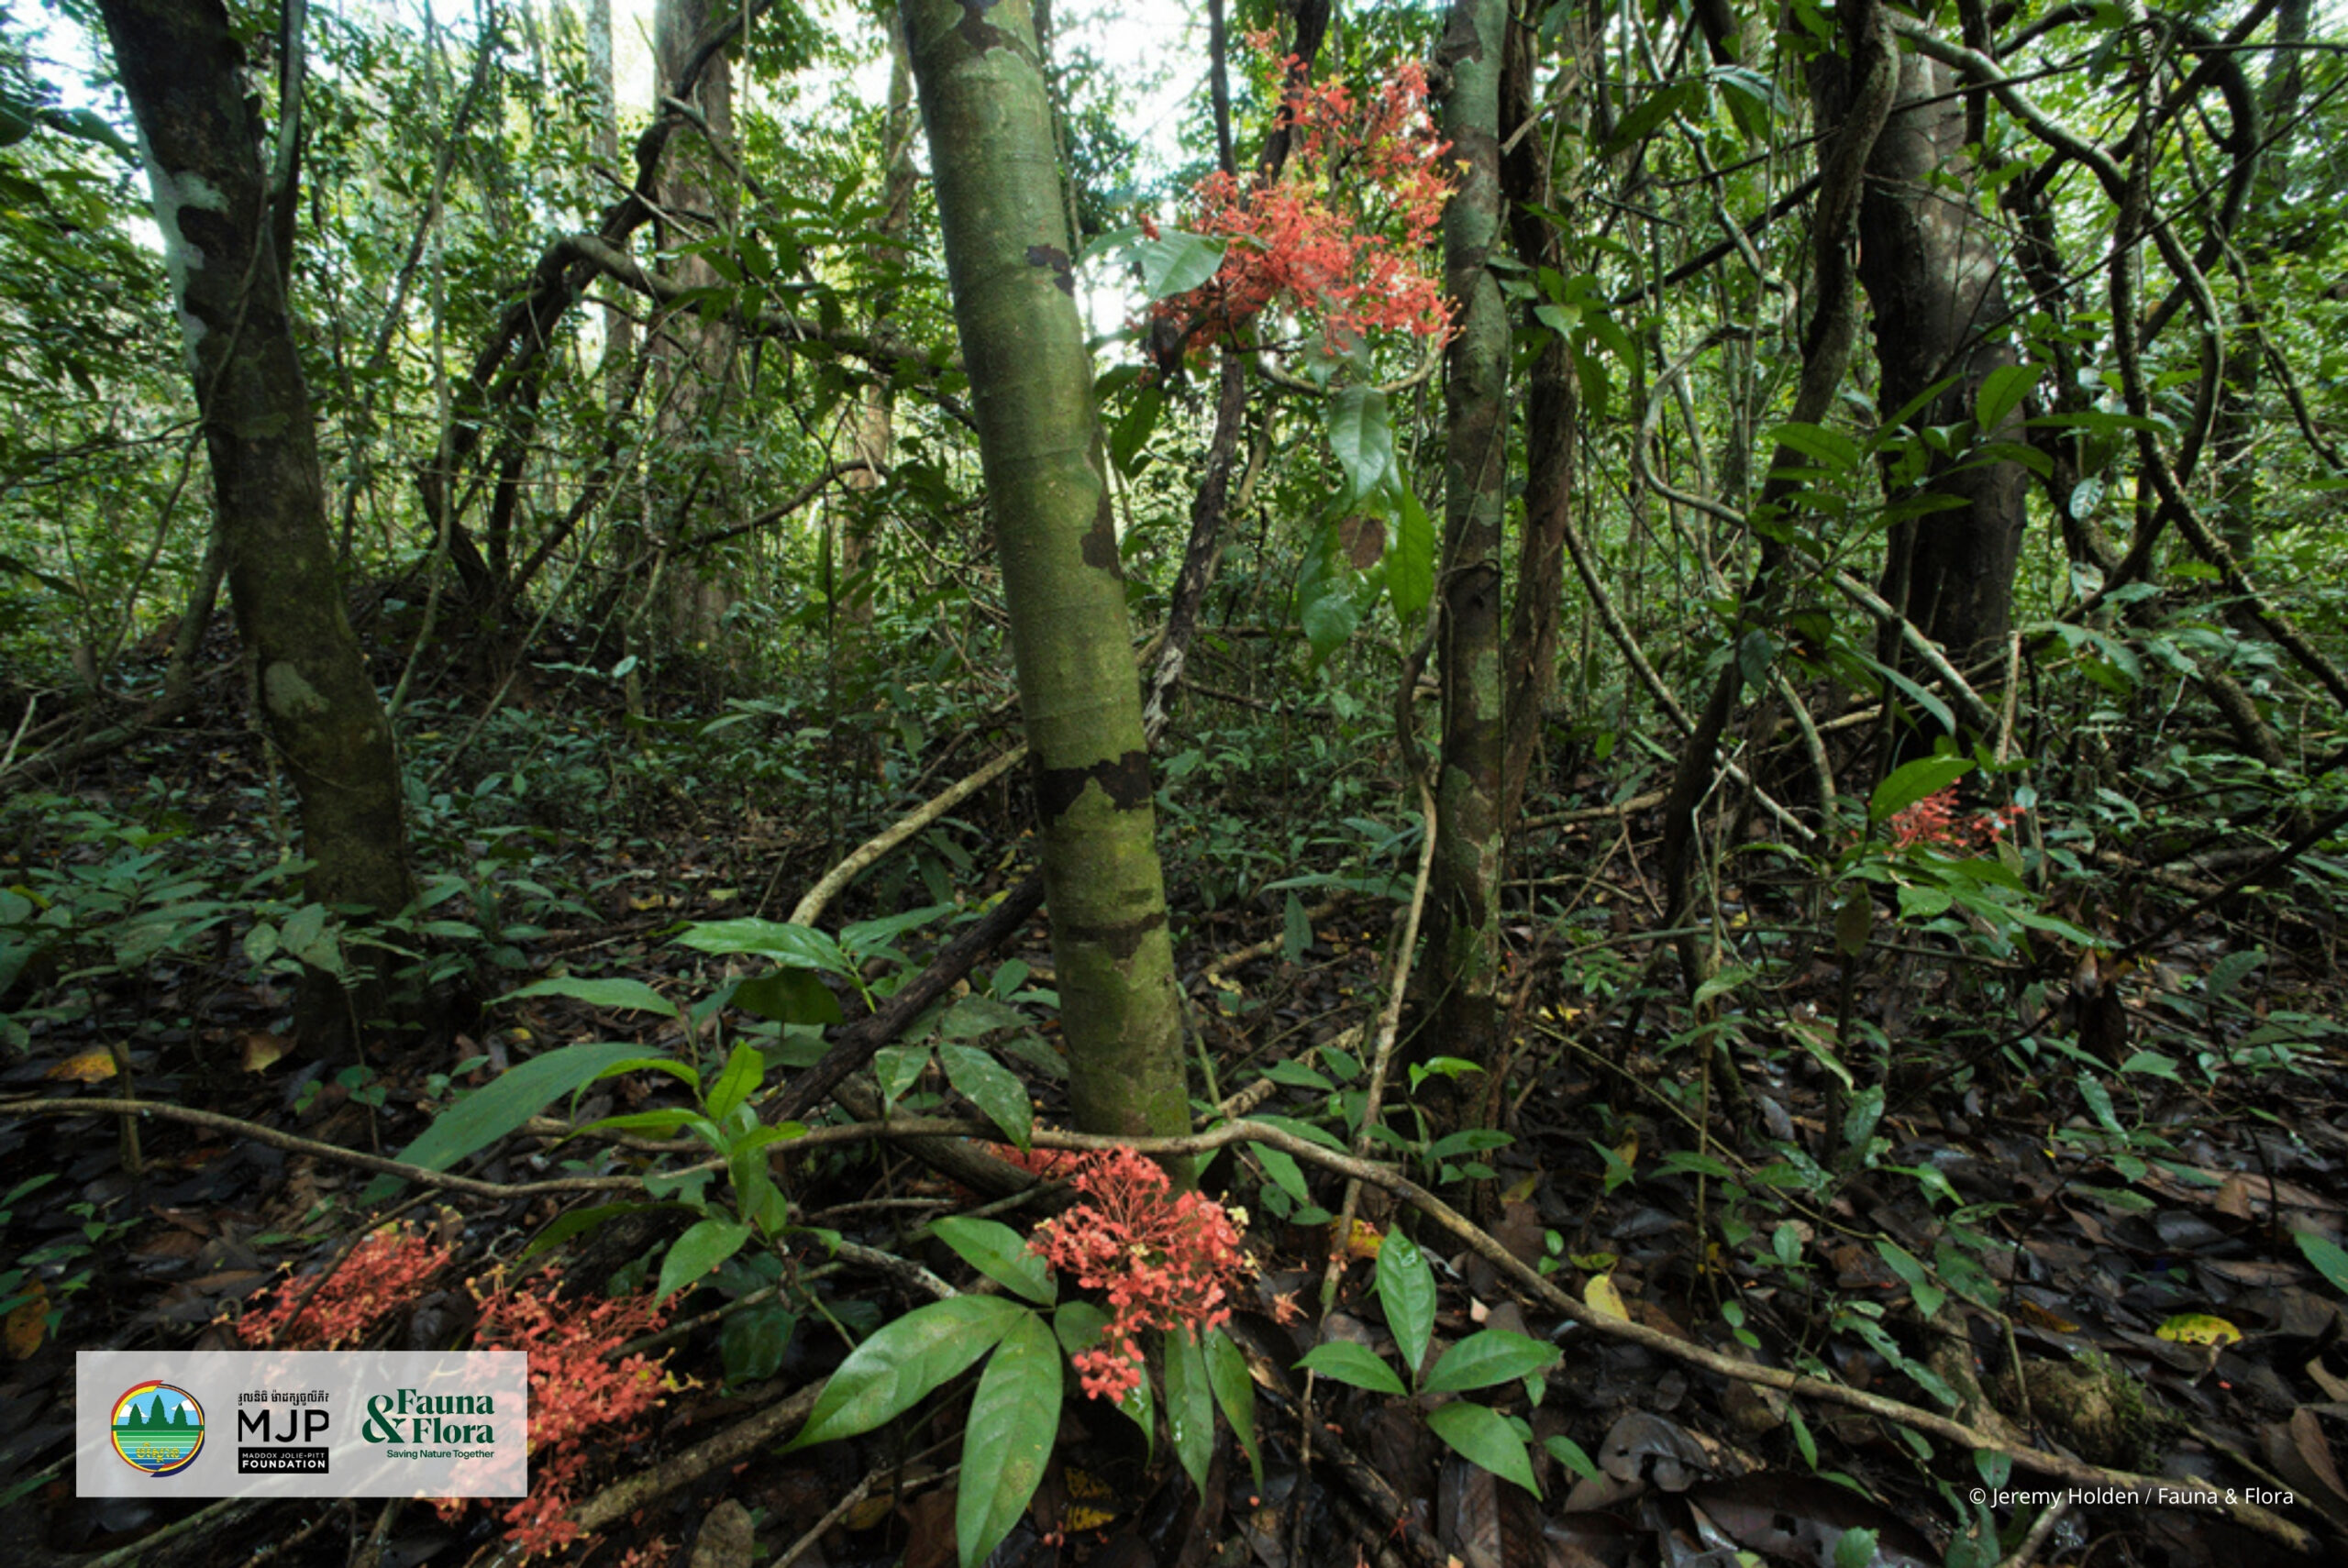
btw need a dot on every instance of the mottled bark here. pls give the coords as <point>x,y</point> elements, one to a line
<point>1463,895</point>
<point>692,356</point>
<point>1931,263</point>
<point>1009,264</point>
<point>1552,426</point>
<point>181,69</point>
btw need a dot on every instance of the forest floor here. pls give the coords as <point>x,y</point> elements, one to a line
<point>2116,1198</point>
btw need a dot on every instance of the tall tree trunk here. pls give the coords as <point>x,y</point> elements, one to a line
<point>1930,261</point>
<point>1009,265</point>
<point>1463,901</point>
<point>182,70</point>
<point>1552,425</point>
<point>694,355</point>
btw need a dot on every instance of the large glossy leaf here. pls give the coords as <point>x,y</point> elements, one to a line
<point>624,996</point>
<point>1483,1437</point>
<point>745,1069</point>
<point>789,996</point>
<point>699,1250</point>
<point>1406,1289</point>
<point>1014,1416</point>
<point>1496,1355</point>
<point>1001,1254</point>
<point>1176,262</point>
<point>1235,1394</point>
<point>992,1088</point>
<point>1361,438</point>
<point>1409,559</point>
<point>1349,1363</point>
<point>1910,783</point>
<point>799,947</point>
<point>503,1104</point>
<point>1190,1404</point>
<point>897,1367</point>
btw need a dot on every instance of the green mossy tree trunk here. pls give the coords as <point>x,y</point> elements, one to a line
<point>182,70</point>
<point>1008,265</point>
<point>1463,903</point>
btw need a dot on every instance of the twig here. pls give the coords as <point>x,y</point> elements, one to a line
<point>880,844</point>
<point>499,1192</point>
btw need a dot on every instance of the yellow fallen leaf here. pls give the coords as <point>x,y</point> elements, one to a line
<point>26,1324</point>
<point>262,1050</point>
<point>2198,1328</point>
<point>1365,1241</point>
<point>1600,1296</point>
<point>1627,1151</point>
<point>86,1067</point>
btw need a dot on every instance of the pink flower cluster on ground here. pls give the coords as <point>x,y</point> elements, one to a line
<point>1933,823</point>
<point>1164,1261</point>
<point>384,1273</point>
<point>1348,254</point>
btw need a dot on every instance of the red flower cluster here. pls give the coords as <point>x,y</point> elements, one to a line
<point>1348,255</point>
<point>384,1273</point>
<point>577,1392</point>
<point>1933,823</point>
<point>1164,1261</point>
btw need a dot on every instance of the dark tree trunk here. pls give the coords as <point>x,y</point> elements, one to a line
<point>1463,893</point>
<point>1930,262</point>
<point>181,69</point>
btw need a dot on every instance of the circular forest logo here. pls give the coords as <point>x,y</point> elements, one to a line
<point>158,1427</point>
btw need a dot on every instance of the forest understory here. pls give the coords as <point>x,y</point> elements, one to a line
<point>2101,1280</point>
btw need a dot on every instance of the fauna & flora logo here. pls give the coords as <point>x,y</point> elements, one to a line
<point>157,1427</point>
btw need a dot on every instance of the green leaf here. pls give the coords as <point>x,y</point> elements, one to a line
<point>698,1251</point>
<point>1234,1392</point>
<point>795,947</point>
<point>1176,262</point>
<point>1910,783</point>
<point>1929,1297</point>
<point>1296,935</point>
<point>1345,1362</point>
<point>1190,1404</point>
<point>1721,984</point>
<point>789,996</point>
<point>992,1088</point>
<point>1132,431</point>
<point>901,1364</point>
<point>745,1069</point>
<point>1361,439</point>
<point>755,1340</point>
<point>1001,1254</point>
<point>1406,1289</point>
<point>2002,391</point>
<point>1409,559</point>
<point>896,1068</point>
<point>2330,1261</point>
<point>1481,1437</point>
<point>1494,1356</point>
<point>1569,1454</point>
<point>654,1064</point>
<point>1014,1416</point>
<point>1281,1167</point>
<point>503,1104</point>
<point>624,996</point>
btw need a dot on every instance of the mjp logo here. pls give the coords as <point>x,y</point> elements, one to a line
<point>158,1427</point>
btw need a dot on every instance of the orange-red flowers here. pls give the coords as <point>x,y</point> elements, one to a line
<point>1347,253</point>
<point>576,1392</point>
<point>1933,823</point>
<point>1163,1262</point>
<point>384,1273</point>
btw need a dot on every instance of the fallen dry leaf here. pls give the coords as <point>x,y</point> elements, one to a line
<point>263,1051</point>
<point>85,1067</point>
